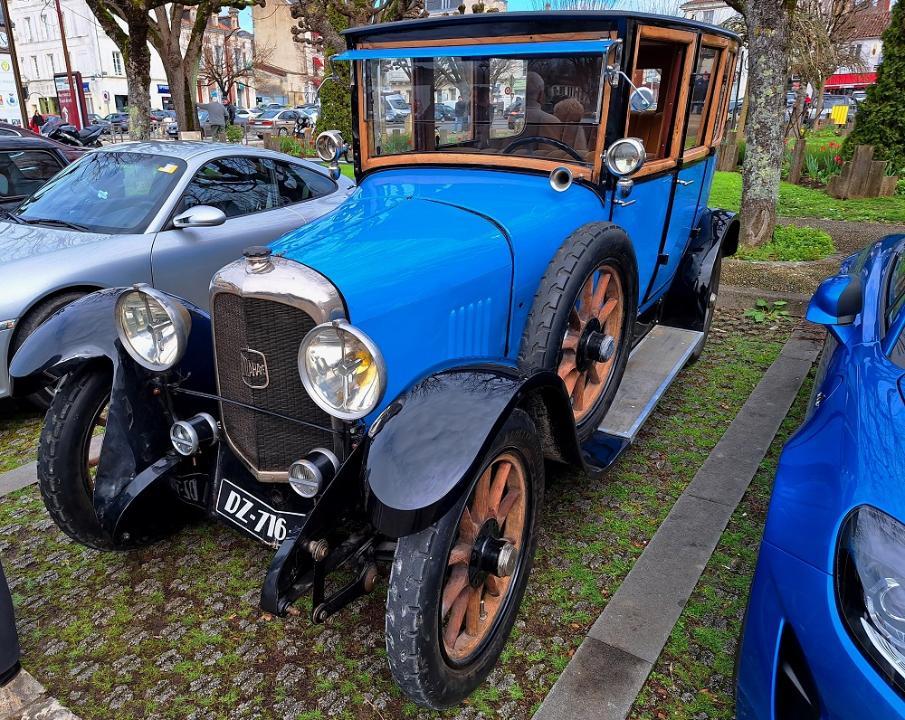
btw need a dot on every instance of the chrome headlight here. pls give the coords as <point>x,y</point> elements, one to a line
<point>625,157</point>
<point>870,584</point>
<point>153,328</point>
<point>342,370</point>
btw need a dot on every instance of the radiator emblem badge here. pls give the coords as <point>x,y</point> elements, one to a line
<point>254,369</point>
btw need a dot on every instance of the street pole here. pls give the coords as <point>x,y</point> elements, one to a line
<point>72,96</point>
<point>14,57</point>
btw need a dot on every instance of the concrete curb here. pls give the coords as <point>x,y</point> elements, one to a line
<point>611,666</point>
<point>736,297</point>
<point>18,478</point>
<point>24,698</point>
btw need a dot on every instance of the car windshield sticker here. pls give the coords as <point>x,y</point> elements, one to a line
<point>168,169</point>
<point>102,194</point>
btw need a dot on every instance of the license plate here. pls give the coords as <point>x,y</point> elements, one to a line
<point>254,516</point>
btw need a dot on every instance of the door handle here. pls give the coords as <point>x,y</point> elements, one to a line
<point>624,203</point>
<point>685,183</point>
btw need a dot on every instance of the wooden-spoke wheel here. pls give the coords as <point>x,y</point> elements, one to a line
<point>484,556</point>
<point>591,342</point>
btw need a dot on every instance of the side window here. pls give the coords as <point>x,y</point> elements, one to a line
<point>296,184</point>
<point>655,108</point>
<point>702,82</point>
<point>895,293</point>
<point>23,172</point>
<point>237,186</point>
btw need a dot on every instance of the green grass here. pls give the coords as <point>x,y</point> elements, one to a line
<point>176,627</point>
<point>797,201</point>
<point>693,676</point>
<point>20,426</point>
<point>791,243</point>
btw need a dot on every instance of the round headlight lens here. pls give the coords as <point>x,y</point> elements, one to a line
<point>153,328</point>
<point>625,157</point>
<point>329,145</point>
<point>342,370</point>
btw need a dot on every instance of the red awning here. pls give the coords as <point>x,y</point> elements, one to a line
<point>853,80</point>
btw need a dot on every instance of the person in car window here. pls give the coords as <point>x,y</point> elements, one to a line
<point>570,112</point>
<point>460,114</point>
<point>534,96</point>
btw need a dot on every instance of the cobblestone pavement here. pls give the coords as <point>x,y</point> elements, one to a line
<point>174,631</point>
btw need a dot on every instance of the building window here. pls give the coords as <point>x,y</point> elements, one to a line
<point>34,67</point>
<point>45,27</point>
<point>25,28</point>
<point>51,64</point>
<point>707,16</point>
<point>117,63</point>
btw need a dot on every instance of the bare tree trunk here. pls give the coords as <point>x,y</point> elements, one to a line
<point>138,79</point>
<point>769,41</point>
<point>795,125</point>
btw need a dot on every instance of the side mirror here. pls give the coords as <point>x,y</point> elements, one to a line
<point>200,216</point>
<point>642,100</point>
<point>837,301</point>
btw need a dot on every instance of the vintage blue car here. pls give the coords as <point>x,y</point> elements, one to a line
<point>825,630</point>
<point>382,387</point>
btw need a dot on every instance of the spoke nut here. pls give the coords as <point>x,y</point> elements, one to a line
<point>506,560</point>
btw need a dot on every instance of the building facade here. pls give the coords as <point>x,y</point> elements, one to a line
<point>287,72</point>
<point>451,7</point>
<point>228,52</point>
<point>867,28</point>
<point>91,52</point>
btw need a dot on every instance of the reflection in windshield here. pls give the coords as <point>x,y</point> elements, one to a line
<point>545,107</point>
<point>110,192</point>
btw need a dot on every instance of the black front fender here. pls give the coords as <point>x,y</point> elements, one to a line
<point>426,446</point>
<point>85,331</point>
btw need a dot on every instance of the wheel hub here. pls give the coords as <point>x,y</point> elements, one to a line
<point>594,345</point>
<point>491,554</point>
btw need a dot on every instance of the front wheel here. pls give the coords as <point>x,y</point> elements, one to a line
<point>69,453</point>
<point>455,588</point>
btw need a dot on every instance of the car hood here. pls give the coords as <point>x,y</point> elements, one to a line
<point>21,242</point>
<point>429,282</point>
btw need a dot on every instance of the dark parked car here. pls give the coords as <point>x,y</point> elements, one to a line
<point>119,122</point>
<point>25,165</point>
<point>69,151</point>
<point>381,390</point>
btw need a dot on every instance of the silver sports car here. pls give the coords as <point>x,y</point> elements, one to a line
<point>164,213</point>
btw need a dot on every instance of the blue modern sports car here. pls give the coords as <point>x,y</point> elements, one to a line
<point>824,634</point>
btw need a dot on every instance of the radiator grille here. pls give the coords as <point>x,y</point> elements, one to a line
<point>274,330</point>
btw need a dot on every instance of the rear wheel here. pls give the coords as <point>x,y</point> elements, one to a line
<point>455,588</point>
<point>712,297</point>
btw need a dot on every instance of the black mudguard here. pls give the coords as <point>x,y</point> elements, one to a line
<point>425,447</point>
<point>134,454</point>
<point>9,639</point>
<point>686,302</point>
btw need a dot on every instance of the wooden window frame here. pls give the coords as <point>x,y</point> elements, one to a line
<point>589,173</point>
<point>679,37</point>
<point>719,127</point>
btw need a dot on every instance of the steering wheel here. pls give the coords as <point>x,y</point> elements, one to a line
<point>568,149</point>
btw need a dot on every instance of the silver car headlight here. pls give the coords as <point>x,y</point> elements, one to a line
<point>342,370</point>
<point>153,328</point>
<point>870,588</point>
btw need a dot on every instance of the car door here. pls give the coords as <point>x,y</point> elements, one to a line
<point>244,188</point>
<point>22,172</point>
<point>662,64</point>
<point>693,174</point>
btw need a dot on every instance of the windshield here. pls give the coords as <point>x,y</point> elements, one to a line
<point>109,192</point>
<point>545,107</point>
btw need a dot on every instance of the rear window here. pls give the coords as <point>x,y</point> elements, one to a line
<point>269,114</point>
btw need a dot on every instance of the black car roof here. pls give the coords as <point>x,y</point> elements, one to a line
<point>14,142</point>
<point>481,24</point>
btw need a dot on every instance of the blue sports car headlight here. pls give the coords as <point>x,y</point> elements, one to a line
<point>870,585</point>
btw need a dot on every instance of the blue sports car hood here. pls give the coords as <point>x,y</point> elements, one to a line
<point>429,282</point>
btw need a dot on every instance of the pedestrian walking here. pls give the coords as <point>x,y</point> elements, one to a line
<point>460,114</point>
<point>217,116</point>
<point>37,120</point>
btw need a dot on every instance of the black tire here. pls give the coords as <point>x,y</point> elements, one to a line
<point>709,312</point>
<point>415,650</point>
<point>283,132</point>
<point>62,458</point>
<point>584,251</point>
<point>36,317</point>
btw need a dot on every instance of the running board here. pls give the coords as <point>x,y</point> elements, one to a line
<point>653,365</point>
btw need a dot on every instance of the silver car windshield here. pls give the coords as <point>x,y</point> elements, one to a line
<point>109,192</point>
